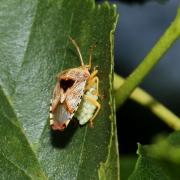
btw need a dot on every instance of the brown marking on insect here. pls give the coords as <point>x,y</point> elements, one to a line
<point>58,126</point>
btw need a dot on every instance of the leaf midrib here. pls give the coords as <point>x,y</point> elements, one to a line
<point>81,152</point>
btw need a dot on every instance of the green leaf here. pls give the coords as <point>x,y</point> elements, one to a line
<point>160,160</point>
<point>147,168</point>
<point>127,164</point>
<point>34,47</point>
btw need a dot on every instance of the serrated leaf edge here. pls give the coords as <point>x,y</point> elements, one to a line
<point>104,165</point>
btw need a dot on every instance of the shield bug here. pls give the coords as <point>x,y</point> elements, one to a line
<point>75,92</point>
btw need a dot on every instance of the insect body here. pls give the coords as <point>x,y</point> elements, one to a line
<point>89,106</point>
<point>72,86</point>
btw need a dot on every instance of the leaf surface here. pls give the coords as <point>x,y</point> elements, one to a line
<point>34,47</point>
<point>160,160</point>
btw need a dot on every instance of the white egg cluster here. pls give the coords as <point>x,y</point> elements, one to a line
<point>86,109</point>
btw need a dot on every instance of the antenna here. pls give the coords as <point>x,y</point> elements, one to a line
<point>90,55</point>
<point>78,50</point>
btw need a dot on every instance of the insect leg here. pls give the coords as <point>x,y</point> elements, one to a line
<point>93,74</point>
<point>91,82</point>
<point>96,103</point>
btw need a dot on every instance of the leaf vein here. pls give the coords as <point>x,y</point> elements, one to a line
<point>81,152</point>
<point>18,167</point>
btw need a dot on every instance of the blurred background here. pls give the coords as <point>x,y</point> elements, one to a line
<point>141,23</point>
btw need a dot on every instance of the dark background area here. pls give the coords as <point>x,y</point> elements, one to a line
<point>141,24</point>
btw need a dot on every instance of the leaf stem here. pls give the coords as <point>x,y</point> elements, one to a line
<point>157,52</point>
<point>146,100</point>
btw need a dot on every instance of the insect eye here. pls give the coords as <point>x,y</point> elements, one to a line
<point>66,83</point>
